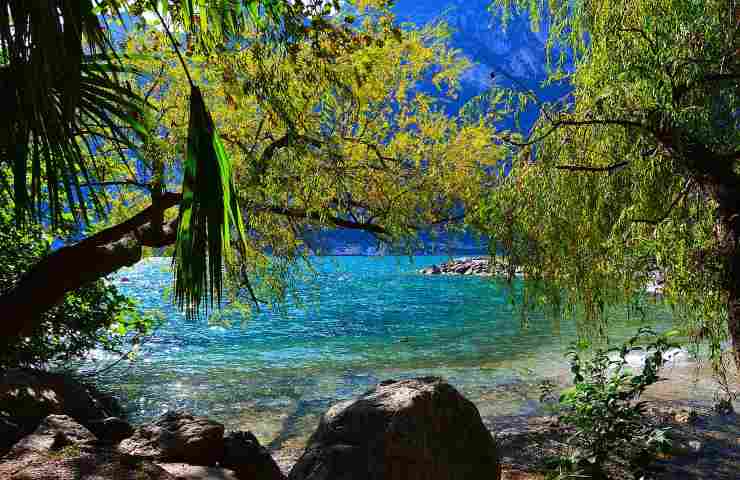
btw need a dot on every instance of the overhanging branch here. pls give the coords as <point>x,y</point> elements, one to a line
<point>586,168</point>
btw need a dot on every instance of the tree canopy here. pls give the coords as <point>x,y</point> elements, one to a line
<point>327,136</point>
<point>300,119</point>
<point>635,171</point>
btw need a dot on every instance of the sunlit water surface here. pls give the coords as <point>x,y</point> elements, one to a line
<point>365,319</point>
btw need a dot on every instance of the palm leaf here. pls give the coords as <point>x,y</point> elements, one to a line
<point>58,79</point>
<point>208,211</point>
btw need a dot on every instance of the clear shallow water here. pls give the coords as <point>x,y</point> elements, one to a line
<point>373,318</point>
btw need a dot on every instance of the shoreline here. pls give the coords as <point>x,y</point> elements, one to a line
<point>481,266</point>
<point>706,444</point>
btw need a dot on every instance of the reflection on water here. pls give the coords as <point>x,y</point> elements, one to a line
<point>373,319</point>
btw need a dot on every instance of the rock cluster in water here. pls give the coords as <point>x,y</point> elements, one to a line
<point>479,266</point>
<point>485,267</point>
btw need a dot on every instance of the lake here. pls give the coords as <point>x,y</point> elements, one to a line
<point>363,320</point>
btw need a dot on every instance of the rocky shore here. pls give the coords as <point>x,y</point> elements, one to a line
<point>54,429</point>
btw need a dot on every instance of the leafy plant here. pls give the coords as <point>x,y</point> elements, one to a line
<point>95,315</point>
<point>603,406</point>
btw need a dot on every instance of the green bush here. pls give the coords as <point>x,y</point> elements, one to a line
<point>93,316</point>
<point>604,410</point>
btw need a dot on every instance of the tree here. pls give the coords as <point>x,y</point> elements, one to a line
<point>61,78</point>
<point>95,315</point>
<point>636,171</point>
<point>323,134</point>
<point>323,139</point>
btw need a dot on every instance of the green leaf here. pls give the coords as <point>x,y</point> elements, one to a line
<point>207,212</point>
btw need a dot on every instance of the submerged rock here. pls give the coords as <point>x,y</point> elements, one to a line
<point>420,429</point>
<point>177,437</point>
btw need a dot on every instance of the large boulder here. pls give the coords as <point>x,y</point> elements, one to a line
<point>420,429</point>
<point>248,459</point>
<point>29,396</point>
<point>177,437</point>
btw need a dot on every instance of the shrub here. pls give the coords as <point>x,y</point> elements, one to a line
<point>603,406</point>
<point>94,315</point>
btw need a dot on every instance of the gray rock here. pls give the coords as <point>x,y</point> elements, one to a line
<point>111,430</point>
<point>62,449</point>
<point>29,396</point>
<point>83,465</point>
<point>248,459</point>
<point>53,434</point>
<point>183,471</point>
<point>480,266</point>
<point>177,437</point>
<point>420,429</point>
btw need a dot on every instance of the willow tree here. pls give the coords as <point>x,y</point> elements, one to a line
<point>320,129</point>
<point>334,135</point>
<point>636,170</point>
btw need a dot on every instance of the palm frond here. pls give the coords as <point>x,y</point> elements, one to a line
<point>58,77</point>
<point>208,211</point>
<point>43,136</point>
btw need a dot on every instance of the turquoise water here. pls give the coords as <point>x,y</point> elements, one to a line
<point>365,320</point>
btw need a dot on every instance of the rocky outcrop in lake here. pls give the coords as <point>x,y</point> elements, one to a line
<point>420,429</point>
<point>479,266</point>
<point>485,267</point>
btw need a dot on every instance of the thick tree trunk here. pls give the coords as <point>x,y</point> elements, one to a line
<point>73,266</point>
<point>733,323</point>
<point>727,193</point>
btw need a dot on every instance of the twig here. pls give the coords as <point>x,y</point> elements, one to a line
<point>585,168</point>
<point>174,43</point>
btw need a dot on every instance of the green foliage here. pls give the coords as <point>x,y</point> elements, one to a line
<point>603,406</point>
<point>619,180</point>
<point>50,139</point>
<point>93,316</point>
<point>331,134</point>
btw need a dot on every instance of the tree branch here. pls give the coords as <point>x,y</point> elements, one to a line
<point>336,221</point>
<point>682,194</point>
<point>555,125</point>
<point>130,183</point>
<point>583,168</point>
